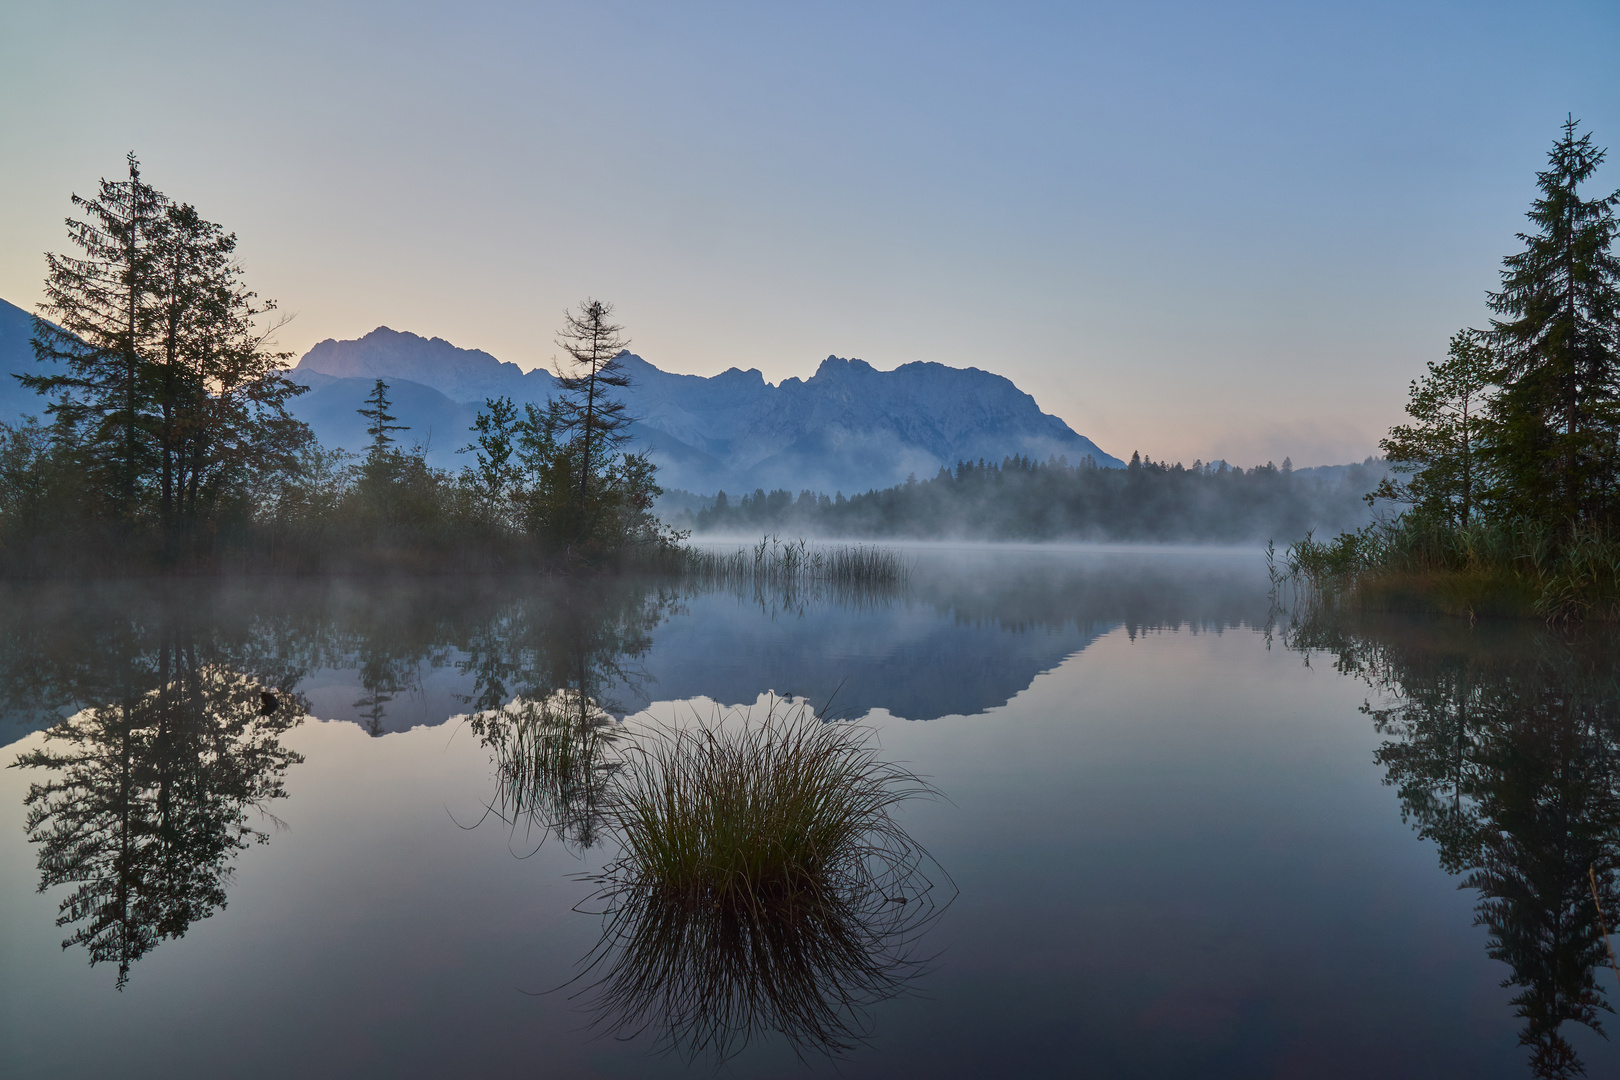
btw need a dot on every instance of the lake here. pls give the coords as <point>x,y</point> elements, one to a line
<point>1180,831</point>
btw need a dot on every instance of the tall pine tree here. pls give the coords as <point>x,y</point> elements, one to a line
<point>1554,424</point>
<point>97,326</point>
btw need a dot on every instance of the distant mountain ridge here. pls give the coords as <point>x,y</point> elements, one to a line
<point>849,427</point>
<point>459,374</point>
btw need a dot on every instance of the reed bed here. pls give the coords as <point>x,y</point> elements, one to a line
<point>798,565</point>
<point>763,884</point>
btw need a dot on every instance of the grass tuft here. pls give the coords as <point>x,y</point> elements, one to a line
<point>763,884</point>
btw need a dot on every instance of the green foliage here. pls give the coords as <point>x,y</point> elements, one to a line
<point>163,394</point>
<point>798,566</point>
<point>169,443</point>
<point>749,816</point>
<point>498,475</point>
<point>1556,421</point>
<point>764,884</point>
<point>1514,568</point>
<point>1440,450</point>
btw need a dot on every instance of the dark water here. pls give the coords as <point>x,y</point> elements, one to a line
<point>1177,836</point>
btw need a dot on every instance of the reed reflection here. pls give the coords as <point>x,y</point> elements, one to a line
<point>546,679</point>
<point>1502,744</point>
<point>162,773</point>
<point>553,766</point>
<point>763,886</point>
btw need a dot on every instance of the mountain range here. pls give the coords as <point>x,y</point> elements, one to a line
<point>849,427</point>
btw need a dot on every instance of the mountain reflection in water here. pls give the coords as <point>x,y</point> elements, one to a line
<point>1501,742</point>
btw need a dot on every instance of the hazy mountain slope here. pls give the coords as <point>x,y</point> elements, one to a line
<point>919,414</point>
<point>441,425</point>
<point>17,357</point>
<point>464,375</point>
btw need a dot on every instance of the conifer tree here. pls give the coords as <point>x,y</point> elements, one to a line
<point>592,417</point>
<point>220,393</point>
<point>1555,421</point>
<point>97,322</point>
<point>380,423</point>
<point>161,384</point>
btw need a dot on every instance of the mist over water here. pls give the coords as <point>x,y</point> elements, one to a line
<point>1186,833</point>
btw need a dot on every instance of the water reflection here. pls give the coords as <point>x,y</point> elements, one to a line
<point>961,638</point>
<point>164,770</point>
<point>157,765</point>
<point>1502,743</point>
<point>705,981</point>
<point>553,764</point>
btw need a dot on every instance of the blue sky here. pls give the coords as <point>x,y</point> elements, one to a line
<point>1195,230</point>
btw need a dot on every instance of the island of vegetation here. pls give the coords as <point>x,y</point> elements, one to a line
<point>1508,473</point>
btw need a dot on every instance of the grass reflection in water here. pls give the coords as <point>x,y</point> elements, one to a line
<point>553,766</point>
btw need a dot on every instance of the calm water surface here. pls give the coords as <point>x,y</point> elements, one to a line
<point>1179,834</point>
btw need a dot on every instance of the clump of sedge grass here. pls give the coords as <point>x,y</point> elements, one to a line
<point>764,884</point>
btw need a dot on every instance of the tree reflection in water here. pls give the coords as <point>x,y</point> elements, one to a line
<point>159,764</point>
<point>544,678</point>
<point>708,979</point>
<point>1502,744</point>
<point>162,773</point>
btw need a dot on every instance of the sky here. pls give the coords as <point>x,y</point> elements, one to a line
<point>1195,230</point>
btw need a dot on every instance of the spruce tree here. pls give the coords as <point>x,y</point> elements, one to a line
<point>97,325</point>
<point>1555,421</point>
<point>380,423</point>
